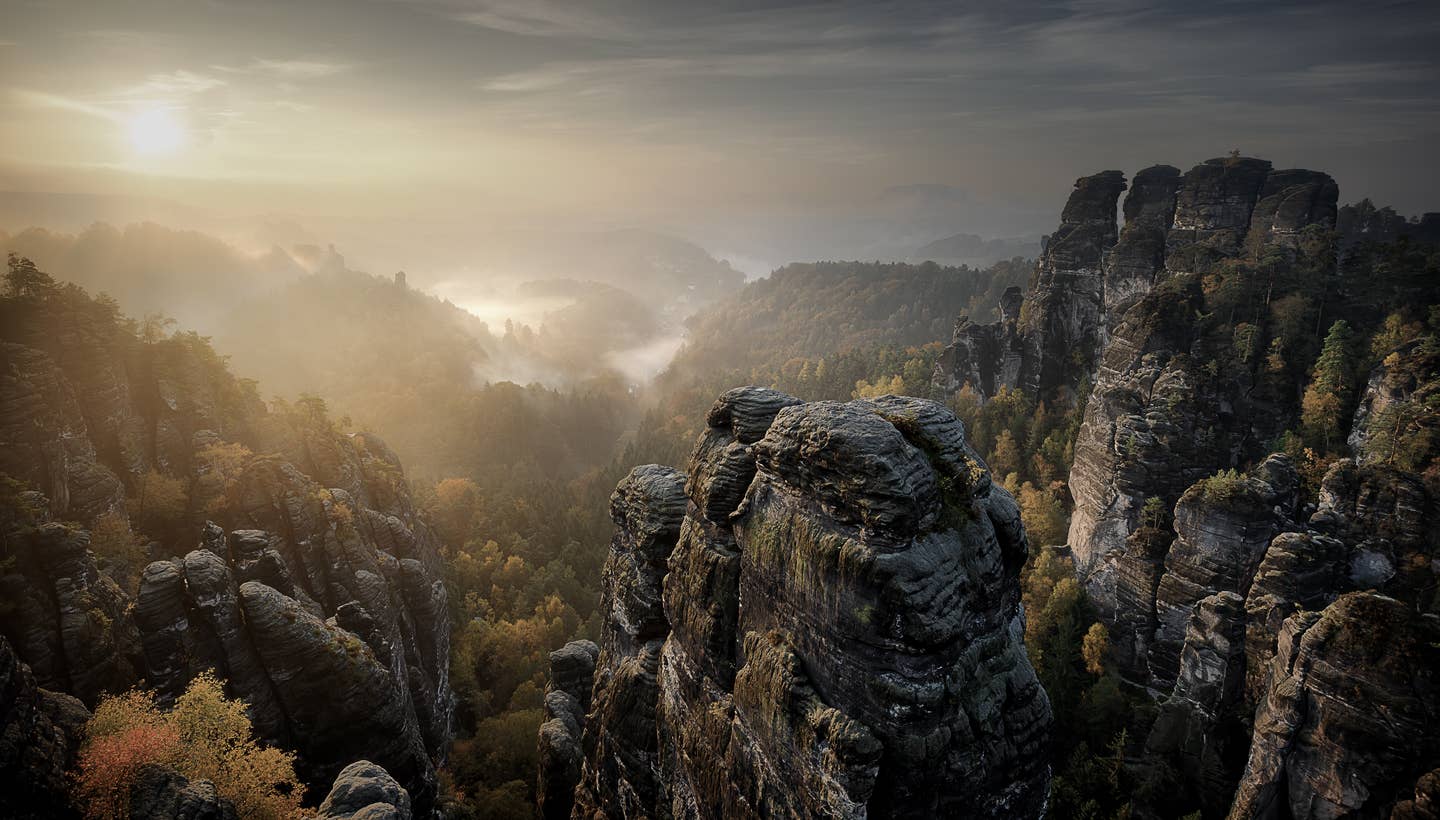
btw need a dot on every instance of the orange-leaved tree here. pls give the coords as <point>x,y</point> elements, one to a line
<point>205,736</point>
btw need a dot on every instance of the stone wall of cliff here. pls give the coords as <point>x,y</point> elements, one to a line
<point>821,619</point>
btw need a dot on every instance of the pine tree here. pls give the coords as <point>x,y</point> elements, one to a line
<point>1331,385</point>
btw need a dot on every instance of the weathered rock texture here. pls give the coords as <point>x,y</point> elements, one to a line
<point>1347,725</point>
<point>567,699</point>
<point>322,606</point>
<point>69,621</point>
<point>1205,577</point>
<point>365,791</point>
<point>370,681</point>
<point>1156,420</point>
<point>822,621</point>
<point>40,733</point>
<point>1051,341</point>
<point>161,793</point>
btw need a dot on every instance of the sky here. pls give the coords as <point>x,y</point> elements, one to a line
<point>727,121</point>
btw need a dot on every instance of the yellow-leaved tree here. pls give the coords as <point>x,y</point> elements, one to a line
<point>206,736</point>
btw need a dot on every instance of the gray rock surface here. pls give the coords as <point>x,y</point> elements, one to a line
<point>843,641</point>
<point>365,791</point>
<point>161,793</point>
<point>1347,725</point>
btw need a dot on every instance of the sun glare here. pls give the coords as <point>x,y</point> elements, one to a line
<point>156,131</point>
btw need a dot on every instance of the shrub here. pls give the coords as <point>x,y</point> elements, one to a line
<point>206,736</point>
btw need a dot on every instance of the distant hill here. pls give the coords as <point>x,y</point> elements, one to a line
<point>824,308</point>
<point>975,251</point>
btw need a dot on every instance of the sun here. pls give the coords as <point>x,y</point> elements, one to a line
<point>156,131</point>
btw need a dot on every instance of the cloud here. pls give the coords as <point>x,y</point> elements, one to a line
<point>43,99</point>
<point>542,18</point>
<point>172,85</point>
<point>300,69</point>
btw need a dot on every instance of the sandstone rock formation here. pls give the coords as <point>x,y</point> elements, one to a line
<point>369,681</point>
<point>822,621</point>
<point>1138,256</point>
<point>1156,420</point>
<point>161,793</point>
<point>365,791</point>
<point>567,699</point>
<point>1054,339</point>
<point>65,618</point>
<point>40,734</point>
<point>322,607</point>
<point>1347,725</point>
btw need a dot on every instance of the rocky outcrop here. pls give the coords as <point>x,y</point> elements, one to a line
<point>620,775</point>
<point>1064,315</point>
<point>1300,571</point>
<point>1347,725</point>
<point>567,699</point>
<point>330,689</point>
<point>1137,258</point>
<point>1223,528</point>
<point>365,791</point>
<point>66,619</point>
<point>1050,342</point>
<point>40,734</point>
<point>985,357</point>
<point>838,633</point>
<point>161,793</point>
<point>327,616</point>
<point>1213,208</point>
<point>45,441</point>
<point>1200,729</point>
<point>1157,420</point>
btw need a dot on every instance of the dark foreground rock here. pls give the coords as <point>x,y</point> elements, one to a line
<point>40,734</point>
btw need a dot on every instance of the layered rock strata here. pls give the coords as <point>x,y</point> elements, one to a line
<point>1347,723</point>
<point>836,631</point>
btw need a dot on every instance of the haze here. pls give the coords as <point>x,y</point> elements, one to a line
<point>765,132</point>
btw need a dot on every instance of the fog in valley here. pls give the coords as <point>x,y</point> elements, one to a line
<point>500,409</point>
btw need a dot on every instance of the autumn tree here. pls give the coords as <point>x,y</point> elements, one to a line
<point>1095,647</point>
<point>158,503</point>
<point>112,539</point>
<point>1044,518</point>
<point>206,736</point>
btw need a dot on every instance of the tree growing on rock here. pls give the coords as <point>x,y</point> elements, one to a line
<point>206,736</point>
<point>1327,400</point>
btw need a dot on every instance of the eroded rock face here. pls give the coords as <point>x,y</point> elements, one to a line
<point>1223,533</point>
<point>69,621</point>
<point>1055,339</point>
<point>44,438</point>
<point>1138,257</point>
<point>620,775</point>
<point>842,639</point>
<point>1156,421</point>
<point>332,690</point>
<point>365,791</point>
<point>567,699</point>
<point>40,734</point>
<point>985,357</point>
<point>1347,726</point>
<point>161,793</point>
<point>1200,728</point>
